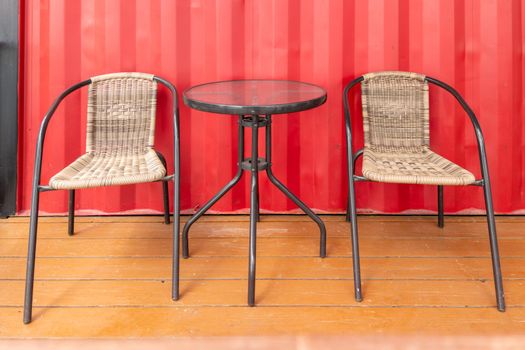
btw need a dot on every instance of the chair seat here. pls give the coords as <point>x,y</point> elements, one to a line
<point>424,167</point>
<point>94,170</point>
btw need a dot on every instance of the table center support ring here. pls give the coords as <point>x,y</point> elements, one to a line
<point>254,164</point>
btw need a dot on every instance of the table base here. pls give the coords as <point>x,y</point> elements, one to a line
<point>254,164</point>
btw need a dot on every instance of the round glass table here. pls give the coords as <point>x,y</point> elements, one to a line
<point>254,102</point>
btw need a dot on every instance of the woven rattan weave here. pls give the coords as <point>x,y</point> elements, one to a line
<point>120,135</point>
<point>396,131</point>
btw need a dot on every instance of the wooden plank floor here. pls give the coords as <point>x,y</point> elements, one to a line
<point>112,279</point>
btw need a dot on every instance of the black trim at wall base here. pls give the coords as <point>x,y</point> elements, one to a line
<point>8,105</point>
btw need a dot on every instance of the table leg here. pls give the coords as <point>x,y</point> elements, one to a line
<point>254,167</point>
<point>289,194</point>
<point>222,192</point>
<point>254,209</point>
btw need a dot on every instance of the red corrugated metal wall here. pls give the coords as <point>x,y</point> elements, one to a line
<point>477,46</point>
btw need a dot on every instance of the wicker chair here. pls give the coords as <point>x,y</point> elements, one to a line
<point>397,150</point>
<point>119,151</point>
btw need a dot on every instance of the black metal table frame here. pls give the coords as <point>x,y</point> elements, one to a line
<point>254,164</point>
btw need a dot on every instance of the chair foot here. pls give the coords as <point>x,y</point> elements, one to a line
<point>71,213</point>
<point>31,253</point>
<point>494,250</point>
<point>355,244</point>
<point>166,202</point>
<point>347,213</point>
<point>441,218</point>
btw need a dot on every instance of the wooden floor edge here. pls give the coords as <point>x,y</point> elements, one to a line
<point>390,342</point>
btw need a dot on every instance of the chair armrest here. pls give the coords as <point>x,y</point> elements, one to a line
<point>477,128</point>
<point>351,158</point>
<point>176,131</point>
<point>176,162</point>
<point>43,128</point>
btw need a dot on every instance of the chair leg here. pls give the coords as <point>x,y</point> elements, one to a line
<point>71,213</point>
<point>165,191</point>
<point>441,218</point>
<point>31,253</point>
<point>176,238</point>
<point>348,218</point>
<point>355,241</point>
<point>354,162</point>
<point>496,268</point>
<point>166,202</point>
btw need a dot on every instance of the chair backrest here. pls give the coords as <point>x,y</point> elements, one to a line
<point>395,111</point>
<point>121,113</point>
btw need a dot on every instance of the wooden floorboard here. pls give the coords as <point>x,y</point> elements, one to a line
<point>393,268</point>
<point>378,227</point>
<point>196,293</point>
<point>266,246</point>
<point>214,321</point>
<point>113,278</point>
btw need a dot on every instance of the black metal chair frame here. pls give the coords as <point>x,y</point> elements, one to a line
<point>483,182</point>
<point>38,188</point>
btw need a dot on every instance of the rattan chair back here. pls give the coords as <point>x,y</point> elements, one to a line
<point>395,112</point>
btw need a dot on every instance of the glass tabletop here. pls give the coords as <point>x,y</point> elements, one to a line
<point>254,96</point>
